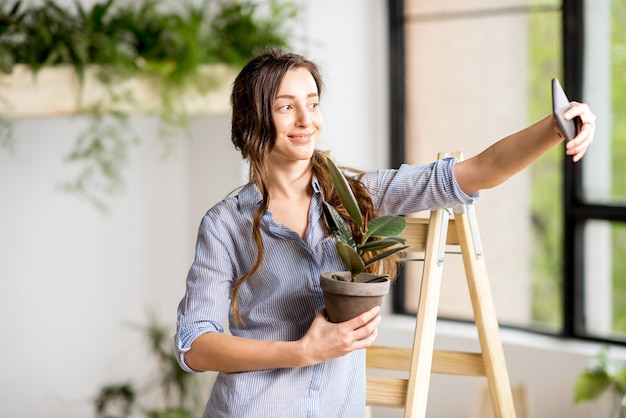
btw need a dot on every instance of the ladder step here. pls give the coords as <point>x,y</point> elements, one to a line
<point>444,362</point>
<point>458,363</point>
<point>416,233</point>
<point>386,391</point>
<point>388,358</point>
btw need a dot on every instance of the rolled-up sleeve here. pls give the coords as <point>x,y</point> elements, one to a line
<point>206,300</point>
<point>413,188</point>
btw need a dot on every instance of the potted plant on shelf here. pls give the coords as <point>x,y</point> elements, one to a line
<point>604,374</point>
<point>351,292</point>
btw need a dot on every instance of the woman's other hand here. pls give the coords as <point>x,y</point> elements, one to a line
<point>326,340</point>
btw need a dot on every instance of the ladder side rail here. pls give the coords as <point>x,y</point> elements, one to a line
<point>484,313</point>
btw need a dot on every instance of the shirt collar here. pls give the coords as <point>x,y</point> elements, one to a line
<point>250,196</point>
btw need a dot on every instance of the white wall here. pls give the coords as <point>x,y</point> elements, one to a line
<point>349,42</point>
<point>71,279</point>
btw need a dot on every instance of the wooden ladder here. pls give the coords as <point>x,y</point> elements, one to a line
<point>430,237</point>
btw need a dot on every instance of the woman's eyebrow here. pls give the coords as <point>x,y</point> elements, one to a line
<point>291,96</point>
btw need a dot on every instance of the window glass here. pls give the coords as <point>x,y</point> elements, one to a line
<point>465,89</point>
<point>604,174</point>
<point>618,100</point>
<point>545,59</point>
<point>605,90</point>
<point>605,284</point>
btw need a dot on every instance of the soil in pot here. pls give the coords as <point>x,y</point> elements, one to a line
<point>346,299</point>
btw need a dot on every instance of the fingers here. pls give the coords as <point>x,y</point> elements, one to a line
<point>582,111</point>
<point>367,341</point>
<point>365,327</point>
<point>364,319</point>
<point>356,333</point>
<point>326,340</point>
<point>578,146</point>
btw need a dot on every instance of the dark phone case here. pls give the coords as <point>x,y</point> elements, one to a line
<point>560,103</point>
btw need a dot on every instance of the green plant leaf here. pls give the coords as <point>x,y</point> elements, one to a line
<point>380,244</point>
<point>376,279</point>
<point>620,381</point>
<point>168,413</point>
<point>385,226</point>
<point>7,62</point>
<point>590,386</point>
<point>605,364</point>
<point>118,396</point>
<point>385,254</point>
<point>353,262</point>
<point>345,193</point>
<point>338,225</point>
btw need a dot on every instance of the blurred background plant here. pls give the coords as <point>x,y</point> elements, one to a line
<point>176,391</point>
<point>603,375</point>
<point>168,44</point>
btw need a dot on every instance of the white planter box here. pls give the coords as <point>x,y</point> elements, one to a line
<point>56,91</point>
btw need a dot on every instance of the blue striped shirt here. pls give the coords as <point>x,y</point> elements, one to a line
<point>280,301</point>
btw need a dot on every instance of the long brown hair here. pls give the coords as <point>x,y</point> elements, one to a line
<point>253,134</point>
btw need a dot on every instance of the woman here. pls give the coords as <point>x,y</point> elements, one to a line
<point>265,248</point>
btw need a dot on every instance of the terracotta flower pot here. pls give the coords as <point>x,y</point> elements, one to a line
<point>345,300</point>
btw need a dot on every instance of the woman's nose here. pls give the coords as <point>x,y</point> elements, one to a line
<point>303,118</point>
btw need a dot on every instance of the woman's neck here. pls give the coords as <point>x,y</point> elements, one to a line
<point>290,194</point>
<point>290,182</point>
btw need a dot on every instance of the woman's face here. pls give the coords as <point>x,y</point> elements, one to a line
<point>296,116</point>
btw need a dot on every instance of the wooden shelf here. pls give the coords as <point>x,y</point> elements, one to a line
<point>56,91</point>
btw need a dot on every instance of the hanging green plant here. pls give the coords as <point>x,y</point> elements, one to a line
<point>115,42</point>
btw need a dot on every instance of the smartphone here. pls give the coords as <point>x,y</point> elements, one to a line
<point>560,103</point>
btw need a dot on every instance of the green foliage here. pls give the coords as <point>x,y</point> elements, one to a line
<point>345,193</point>
<point>176,387</point>
<point>377,234</point>
<point>100,152</point>
<point>603,374</point>
<point>618,160</point>
<point>238,34</point>
<point>172,413</point>
<point>115,401</point>
<point>547,207</point>
<point>142,34</point>
<point>124,39</point>
<point>10,21</point>
<point>618,242</point>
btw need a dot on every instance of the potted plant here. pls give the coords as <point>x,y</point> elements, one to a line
<point>603,374</point>
<point>351,292</point>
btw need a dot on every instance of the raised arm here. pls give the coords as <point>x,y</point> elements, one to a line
<point>512,154</point>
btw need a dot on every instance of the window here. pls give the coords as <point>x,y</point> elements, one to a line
<point>596,192</point>
<point>463,77</point>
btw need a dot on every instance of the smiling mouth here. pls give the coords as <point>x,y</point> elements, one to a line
<point>301,137</point>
